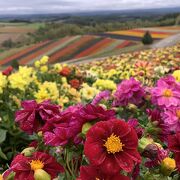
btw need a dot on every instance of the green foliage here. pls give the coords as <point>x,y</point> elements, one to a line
<point>147,38</point>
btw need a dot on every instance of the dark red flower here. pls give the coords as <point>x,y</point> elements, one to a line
<point>94,173</point>
<point>24,167</point>
<point>66,71</point>
<point>33,116</point>
<point>7,71</point>
<point>112,145</point>
<point>75,83</point>
<point>174,146</point>
<point>154,155</point>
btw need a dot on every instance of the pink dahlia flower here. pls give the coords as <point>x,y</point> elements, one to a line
<point>167,93</point>
<point>171,117</point>
<point>104,95</point>
<point>129,91</point>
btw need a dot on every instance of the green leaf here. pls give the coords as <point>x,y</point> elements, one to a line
<point>2,135</point>
<point>2,155</point>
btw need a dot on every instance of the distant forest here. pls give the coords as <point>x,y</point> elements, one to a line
<point>97,24</point>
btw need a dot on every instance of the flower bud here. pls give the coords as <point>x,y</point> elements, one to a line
<point>40,134</point>
<point>143,143</point>
<point>40,174</point>
<point>86,127</point>
<point>167,166</point>
<point>7,176</point>
<point>151,151</point>
<point>28,151</point>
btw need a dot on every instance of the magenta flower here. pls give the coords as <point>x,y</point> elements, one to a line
<point>68,126</point>
<point>135,125</point>
<point>104,95</point>
<point>171,117</point>
<point>128,91</point>
<point>58,131</point>
<point>34,116</point>
<point>159,128</point>
<point>167,93</point>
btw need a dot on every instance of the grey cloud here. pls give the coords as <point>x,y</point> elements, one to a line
<point>56,6</point>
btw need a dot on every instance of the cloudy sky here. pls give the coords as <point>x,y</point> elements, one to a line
<point>61,6</point>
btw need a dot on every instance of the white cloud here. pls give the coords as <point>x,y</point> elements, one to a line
<point>56,6</point>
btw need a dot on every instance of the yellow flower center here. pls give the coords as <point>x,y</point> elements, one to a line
<point>36,164</point>
<point>167,93</point>
<point>113,144</point>
<point>178,113</point>
<point>169,163</point>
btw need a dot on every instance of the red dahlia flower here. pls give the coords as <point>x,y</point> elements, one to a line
<point>93,173</point>
<point>112,145</point>
<point>66,71</point>
<point>174,146</point>
<point>8,71</point>
<point>75,83</point>
<point>25,167</point>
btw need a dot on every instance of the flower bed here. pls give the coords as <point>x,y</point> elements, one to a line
<point>114,119</point>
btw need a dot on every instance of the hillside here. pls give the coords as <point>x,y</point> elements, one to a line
<point>75,48</point>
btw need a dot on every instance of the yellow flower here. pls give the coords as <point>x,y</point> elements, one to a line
<point>168,165</point>
<point>57,67</point>
<point>22,78</point>
<point>37,64</point>
<point>88,92</point>
<point>3,82</point>
<point>104,84</point>
<point>47,90</point>
<point>44,69</point>
<point>1,177</point>
<point>44,60</point>
<point>64,80</point>
<point>62,100</point>
<point>176,75</point>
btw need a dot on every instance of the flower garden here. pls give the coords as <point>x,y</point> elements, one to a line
<point>112,119</point>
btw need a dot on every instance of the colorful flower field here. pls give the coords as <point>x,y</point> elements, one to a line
<point>75,47</point>
<point>112,119</point>
<point>157,33</point>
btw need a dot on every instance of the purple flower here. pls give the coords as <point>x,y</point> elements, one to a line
<point>34,116</point>
<point>167,93</point>
<point>104,95</point>
<point>171,117</point>
<point>128,91</point>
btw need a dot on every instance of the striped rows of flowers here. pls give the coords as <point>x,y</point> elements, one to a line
<point>116,119</point>
<point>140,33</point>
<point>66,48</point>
